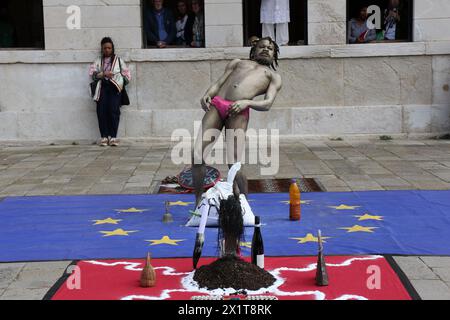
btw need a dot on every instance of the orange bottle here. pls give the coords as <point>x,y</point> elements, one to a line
<point>294,206</point>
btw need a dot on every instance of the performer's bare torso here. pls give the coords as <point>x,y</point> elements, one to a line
<point>242,81</point>
<point>248,80</point>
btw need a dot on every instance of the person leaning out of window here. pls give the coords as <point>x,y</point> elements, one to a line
<point>185,23</point>
<point>198,29</point>
<point>358,30</point>
<point>110,74</point>
<point>160,25</point>
<point>391,20</point>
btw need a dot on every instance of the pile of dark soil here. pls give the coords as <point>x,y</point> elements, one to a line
<point>232,272</point>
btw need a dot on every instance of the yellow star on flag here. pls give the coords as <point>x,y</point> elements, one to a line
<point>369,217</point>
<point>165,240</point>
<point>246,244</point>
<point>344,207</point>
<point>180,203</point>
<point>309,238</point>
<point>131,210</point>
<point>117,232</point>
<point>106,221</point>
<point>357,228</point>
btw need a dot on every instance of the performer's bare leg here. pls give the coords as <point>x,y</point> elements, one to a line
<point>238,122</point>
<point>211,120</point>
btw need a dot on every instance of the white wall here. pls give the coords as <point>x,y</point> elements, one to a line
<point>327,22</point>
<point>223,23</point>
<point>431,20</point>
<point>330,88</point>
<point>120,19</point>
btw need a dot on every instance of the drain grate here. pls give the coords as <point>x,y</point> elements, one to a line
<point>282,185</point>
<point>259,186</point>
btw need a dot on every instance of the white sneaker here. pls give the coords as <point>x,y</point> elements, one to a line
<point>113,142</point>
<point>104,142</point>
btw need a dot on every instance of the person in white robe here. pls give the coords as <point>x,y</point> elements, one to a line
<point>275,18</point>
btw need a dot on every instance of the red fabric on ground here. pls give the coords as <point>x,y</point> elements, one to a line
<point>102,281</point>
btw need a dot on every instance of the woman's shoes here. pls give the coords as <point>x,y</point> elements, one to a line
<point>104,142</point>
<point>113,142</point>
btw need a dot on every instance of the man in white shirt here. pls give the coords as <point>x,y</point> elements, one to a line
<point>391,19</point>
<point>275,18</point>
<point>185,21</point>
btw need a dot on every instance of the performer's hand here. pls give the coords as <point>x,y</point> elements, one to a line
<point>206,103</point>
<point>109,74</point>
<point>238,107</point>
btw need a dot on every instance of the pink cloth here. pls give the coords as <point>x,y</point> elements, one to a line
<point>223,106</point>
<point>107,64</point>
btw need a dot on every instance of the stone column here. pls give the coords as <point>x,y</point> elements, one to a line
<point>119,19</point>
<point>327,22</point>
<point>223,23</point>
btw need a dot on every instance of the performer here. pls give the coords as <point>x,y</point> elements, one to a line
<point>276,14</point>
<point>227,104</point>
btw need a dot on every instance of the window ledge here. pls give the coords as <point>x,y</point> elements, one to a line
<point>187,54</point>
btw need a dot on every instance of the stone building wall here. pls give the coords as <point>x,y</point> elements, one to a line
<point>330,88</point>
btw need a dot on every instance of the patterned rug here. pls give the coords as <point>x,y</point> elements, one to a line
<point>350,278</point>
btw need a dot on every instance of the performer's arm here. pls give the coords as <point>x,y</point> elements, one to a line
<point>215,88</point>
<point>263,105</point>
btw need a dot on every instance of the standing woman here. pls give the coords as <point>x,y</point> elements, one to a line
<point>111,75</point>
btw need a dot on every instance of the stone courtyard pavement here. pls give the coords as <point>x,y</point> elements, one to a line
<point>132,168</point>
